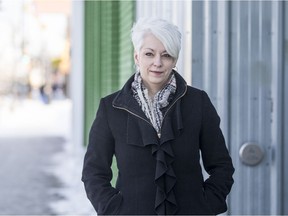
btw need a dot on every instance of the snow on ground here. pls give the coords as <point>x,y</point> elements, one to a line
<point>75,201</point>
<point>33,118</point>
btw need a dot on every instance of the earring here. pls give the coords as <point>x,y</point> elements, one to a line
<point>175,68</point>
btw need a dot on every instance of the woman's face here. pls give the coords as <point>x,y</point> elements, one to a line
<point>154,62</point>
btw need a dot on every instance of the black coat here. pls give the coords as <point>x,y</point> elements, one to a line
<point>158,173</point>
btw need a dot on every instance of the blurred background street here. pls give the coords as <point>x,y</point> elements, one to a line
<point>40,166</point>
<point>40,169</point>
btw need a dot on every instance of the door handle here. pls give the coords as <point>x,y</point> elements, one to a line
<point>251,154</point>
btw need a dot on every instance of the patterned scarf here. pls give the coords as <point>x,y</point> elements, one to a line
<point>153,107</point>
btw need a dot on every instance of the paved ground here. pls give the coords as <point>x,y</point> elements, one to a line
<point>25,184</point>
<point>40,166</point>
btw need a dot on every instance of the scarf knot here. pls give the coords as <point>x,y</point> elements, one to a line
<point>153,107</point>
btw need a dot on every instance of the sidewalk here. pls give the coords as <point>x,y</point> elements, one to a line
<point>30,118</point>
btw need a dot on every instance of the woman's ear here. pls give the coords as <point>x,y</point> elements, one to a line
<point>136,56</point>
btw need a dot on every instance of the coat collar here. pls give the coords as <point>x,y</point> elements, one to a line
<point>124,98</point>
<point>141,131</point>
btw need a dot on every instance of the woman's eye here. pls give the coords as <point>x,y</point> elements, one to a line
<point>149,54</point>
<point>166,55</point>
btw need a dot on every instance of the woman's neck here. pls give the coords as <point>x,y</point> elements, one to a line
<point>152,92</point>
<point>152,89</point>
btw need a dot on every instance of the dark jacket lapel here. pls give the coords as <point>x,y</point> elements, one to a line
<point>140,131</point>
<point>172,124</point>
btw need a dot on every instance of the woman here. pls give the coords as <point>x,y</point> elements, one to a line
<point>156,127</point>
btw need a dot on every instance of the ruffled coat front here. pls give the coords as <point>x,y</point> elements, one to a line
<point>158,174</point>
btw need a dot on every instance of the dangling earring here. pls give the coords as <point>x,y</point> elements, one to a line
<point>175,68</point>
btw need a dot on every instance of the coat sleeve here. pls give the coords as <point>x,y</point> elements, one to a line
<point>216,159</point>
<point>97,172</point>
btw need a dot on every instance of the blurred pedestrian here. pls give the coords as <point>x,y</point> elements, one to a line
<point>157,126</point>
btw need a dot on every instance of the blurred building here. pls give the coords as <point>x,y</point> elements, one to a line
<point>234,50</point>
<point>34,33</point>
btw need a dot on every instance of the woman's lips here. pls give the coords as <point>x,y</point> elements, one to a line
<point>157,72</point>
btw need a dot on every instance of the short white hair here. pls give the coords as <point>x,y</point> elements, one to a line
<point>164,31</point>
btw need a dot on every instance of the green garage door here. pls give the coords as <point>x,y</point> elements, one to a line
<point>108,51</point>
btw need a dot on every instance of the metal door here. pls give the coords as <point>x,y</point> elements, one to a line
<point>256,104</point>
<point>239,58</point>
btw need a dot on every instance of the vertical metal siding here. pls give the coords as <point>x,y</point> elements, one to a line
<point>197,43</point>
<point>255,90</point>
<point>237,57</point>
<point>210,53</point>
<point>285,112</point>
<point>249,116</point>
<point>277,145</point>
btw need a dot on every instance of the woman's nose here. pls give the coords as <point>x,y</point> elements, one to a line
<point>158,61</point>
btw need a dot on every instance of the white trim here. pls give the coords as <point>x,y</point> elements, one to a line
<point>77,72</point>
